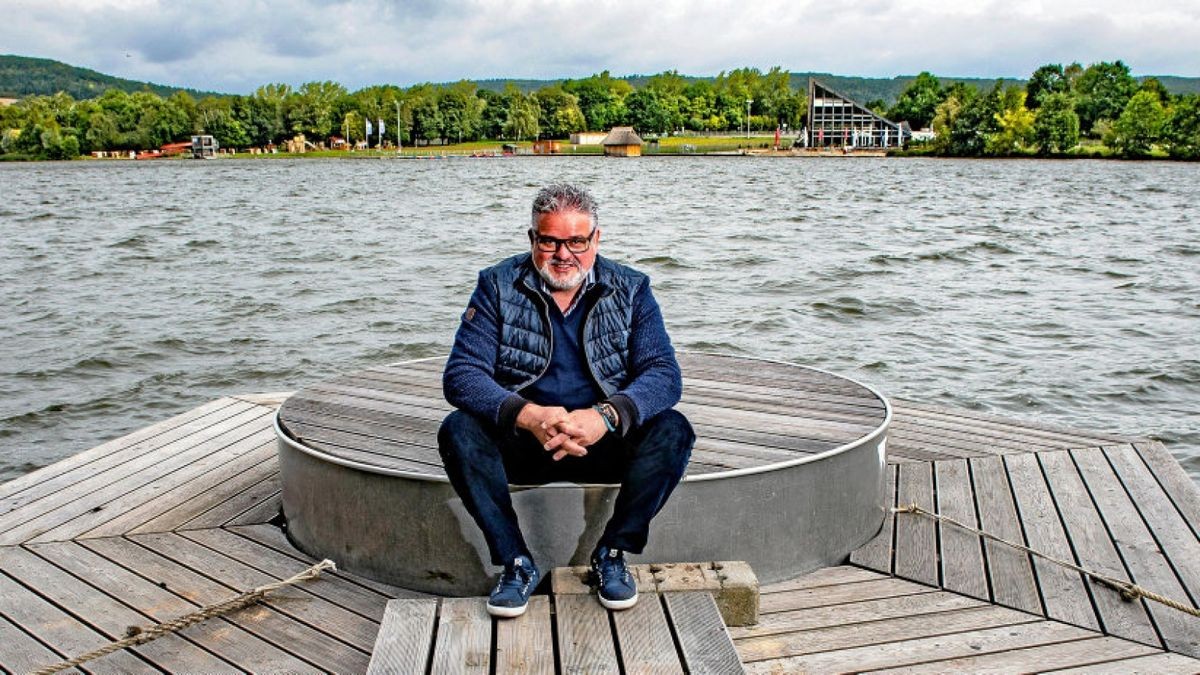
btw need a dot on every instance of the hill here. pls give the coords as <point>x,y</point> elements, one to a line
<point>24,76</point>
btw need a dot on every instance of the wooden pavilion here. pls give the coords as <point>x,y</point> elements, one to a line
<point>622,142</point>
<point>836,120</point>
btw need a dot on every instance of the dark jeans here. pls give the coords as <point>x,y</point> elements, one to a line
<point>481,462</point>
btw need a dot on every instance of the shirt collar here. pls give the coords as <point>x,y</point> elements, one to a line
<point>588,282</point>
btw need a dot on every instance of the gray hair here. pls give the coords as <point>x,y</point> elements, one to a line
<point>564,197</point>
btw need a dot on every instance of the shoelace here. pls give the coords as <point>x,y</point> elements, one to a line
<point>514,577</point>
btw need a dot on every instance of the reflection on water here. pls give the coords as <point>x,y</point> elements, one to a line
<point>1067,292</point>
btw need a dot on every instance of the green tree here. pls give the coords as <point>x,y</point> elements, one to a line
<point>521,118</point>
<point>648,113</point>
<point>461,111</point>
<point>918,103</point>
<point>1056,128</point>
<point>558,112</point>
<point>1102,92</point>
<point>494,113</point>
<point>601,98</point>
<point>1182,129</point>
<point>1046,81</point>
<point>312,108</point>
<point>1139,127</point>
<point>427,121</point>
<point>1015,125</point>
<point>1152,85</point>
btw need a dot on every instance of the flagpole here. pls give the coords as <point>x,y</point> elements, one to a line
<point>399,129</point>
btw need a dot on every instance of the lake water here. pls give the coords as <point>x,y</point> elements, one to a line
<point>1061,291</point>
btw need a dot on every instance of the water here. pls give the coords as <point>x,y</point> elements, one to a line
<point>1065,292</point>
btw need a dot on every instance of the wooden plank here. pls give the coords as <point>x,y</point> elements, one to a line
<point>1143,558</point>
<point>404,637</point>
<point>62,632</point>
<point>222,503</point>
<point>264,511</point>
<point>171,652</point>
<point>983,419</point>
<point>295,601</point>
<point>525,645</point>
<point>835,595</point>
<point>1094,549</point>
<point>1162,662</point>
<point>148,487</point>
<point>703,640</point>
<point>1009,569</point>
<point>585,642</point>
<point>927,602</point>
<point>916,535</point>
<point>961,554</point>
<point>889,655</point>
<point>20,653</point>
<point>877,554</point>
<point>95,491</point>
<point>878,632</point>
<point>44,477</point>
<point>645,639</point>
<point>194,493</point>
<point>1171,531</point>
<point>1063,591</point>
<point>229,642</point>
<point>285,632</point>
<point>1073,653</point>
<point>272,536</point>
<point>464,637</point>
<point>1174,480</point>
<point>353,597</point>
<point>826,576</point>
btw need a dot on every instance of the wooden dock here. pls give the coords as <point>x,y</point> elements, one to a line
<point>181,514</point>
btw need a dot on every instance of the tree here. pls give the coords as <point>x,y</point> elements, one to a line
<point>312,111</point>
<point>1152,85</point>
<point>1139,126</point>
<point>1015,125</point>
<point>494,112</point>
<point>1182,129</point>
<point>648,113</point>
<point>601,98</point>
<point>521,118</point>
<point>1056,128</point>
<point>1102,92</point>
<point>1046,81</point>
<point>427,119</point>
<point>461,110</point>
<point>558,112</point>
<point>918,102</point>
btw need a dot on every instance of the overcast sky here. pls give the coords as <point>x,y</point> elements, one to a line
<point>235,45</point>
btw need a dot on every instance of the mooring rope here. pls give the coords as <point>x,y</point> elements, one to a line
<point>1129,591</point>
<point>136,635</point>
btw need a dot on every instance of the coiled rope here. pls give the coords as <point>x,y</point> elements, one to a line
<point>136,635</point>
<point>1129,591</point>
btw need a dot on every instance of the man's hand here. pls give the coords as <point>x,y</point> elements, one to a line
<point>540,421</point>
<point>577,430</point>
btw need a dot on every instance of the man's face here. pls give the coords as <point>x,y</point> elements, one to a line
<point>561,269</point>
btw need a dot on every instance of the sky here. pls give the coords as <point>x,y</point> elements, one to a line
<point>233,46</point>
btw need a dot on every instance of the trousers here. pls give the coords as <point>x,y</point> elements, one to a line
<point>481,462</point>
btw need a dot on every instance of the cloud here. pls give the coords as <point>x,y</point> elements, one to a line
<point>236,46</point>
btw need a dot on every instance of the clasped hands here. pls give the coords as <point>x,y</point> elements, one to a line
<point>564,433</point>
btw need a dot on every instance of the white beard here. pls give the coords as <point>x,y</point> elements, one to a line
<point>562,283</point>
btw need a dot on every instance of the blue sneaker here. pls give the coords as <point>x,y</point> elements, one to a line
<point>614,584</point>
<point>510,597</point>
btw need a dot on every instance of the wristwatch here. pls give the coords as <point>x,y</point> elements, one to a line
<point>609,413</point>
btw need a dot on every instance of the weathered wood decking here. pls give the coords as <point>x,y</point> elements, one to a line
<point>153,525</point>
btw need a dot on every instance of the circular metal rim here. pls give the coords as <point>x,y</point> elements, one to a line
<point>716,475</point>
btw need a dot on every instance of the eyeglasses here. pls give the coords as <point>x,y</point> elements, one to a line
<point>547,244</point>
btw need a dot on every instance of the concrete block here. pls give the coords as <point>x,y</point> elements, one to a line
<point>738,597</point>
<point>570,581</point>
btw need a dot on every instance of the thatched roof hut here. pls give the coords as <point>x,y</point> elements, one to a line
<point>622,142</point>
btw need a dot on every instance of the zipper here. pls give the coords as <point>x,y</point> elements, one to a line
<point>591,369</point>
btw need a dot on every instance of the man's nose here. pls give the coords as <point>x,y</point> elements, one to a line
<point>561,252</point>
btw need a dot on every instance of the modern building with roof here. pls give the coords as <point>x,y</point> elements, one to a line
<point>622,142</point>
<point>836,120</point>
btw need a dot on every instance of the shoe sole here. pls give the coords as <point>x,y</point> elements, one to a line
<point>618,604</point>
<point>506,612</point>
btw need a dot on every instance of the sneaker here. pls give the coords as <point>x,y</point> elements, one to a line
<point>510,597</point>
<point>614,584</point>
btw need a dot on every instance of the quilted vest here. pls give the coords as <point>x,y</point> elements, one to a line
<point>525,332</point>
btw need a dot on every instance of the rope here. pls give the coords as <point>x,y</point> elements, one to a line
<point>1129,591</point>
<point>136,635</point>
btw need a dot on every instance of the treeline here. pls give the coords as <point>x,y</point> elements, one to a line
<point>1099,110</point>
<point>59,126</point>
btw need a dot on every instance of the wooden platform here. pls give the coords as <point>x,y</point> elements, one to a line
<point>147,527</point>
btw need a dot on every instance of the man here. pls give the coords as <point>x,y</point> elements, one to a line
<point>562,370</point>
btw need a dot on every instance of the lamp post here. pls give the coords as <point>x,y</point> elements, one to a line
<point>748,102</point>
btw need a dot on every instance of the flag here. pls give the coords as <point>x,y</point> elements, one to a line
<point>369,128</point>
<point>382,128</point>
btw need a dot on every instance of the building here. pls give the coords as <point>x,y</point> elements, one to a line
<point>204,146</point>
<point>588,137</point>
<point>837,121</point>
<point>622,142</point>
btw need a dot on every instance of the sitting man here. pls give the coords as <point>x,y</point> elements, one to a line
<point>562,370</point>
